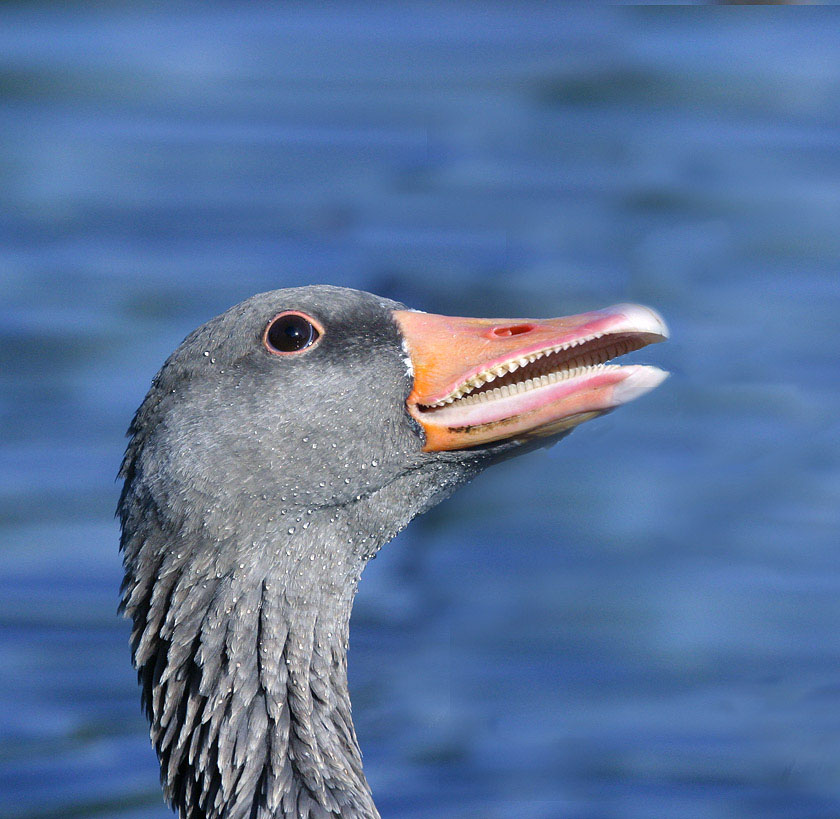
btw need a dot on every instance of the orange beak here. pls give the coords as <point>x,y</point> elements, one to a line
<point>483,380</point>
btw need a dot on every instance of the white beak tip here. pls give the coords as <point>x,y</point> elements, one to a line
<point>642,319</point>
<point>640,379</point>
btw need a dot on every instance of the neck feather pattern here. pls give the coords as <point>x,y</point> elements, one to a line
<point>241,652</point>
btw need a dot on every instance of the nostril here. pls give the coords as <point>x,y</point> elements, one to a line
<point>514,330</point>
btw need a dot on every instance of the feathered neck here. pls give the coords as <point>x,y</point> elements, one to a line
<point>241,644</point>
<point>241,648</point>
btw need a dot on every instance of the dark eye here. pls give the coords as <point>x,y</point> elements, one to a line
<point>290,332</point>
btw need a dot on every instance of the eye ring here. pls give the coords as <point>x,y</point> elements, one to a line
<point>291,332</point>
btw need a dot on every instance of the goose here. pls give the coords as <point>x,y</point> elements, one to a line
<point>280,446</point>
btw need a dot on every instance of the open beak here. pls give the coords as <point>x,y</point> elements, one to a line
<point>483,380</point>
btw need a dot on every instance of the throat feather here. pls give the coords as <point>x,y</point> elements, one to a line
<point>246,688</point>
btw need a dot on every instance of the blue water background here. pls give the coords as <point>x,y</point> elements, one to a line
<point>643,621</point>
